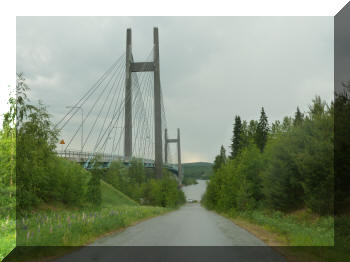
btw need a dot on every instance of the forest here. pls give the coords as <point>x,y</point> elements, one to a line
<point>290,177</point>
<point>284,167</point>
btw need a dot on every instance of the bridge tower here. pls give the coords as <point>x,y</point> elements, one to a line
<point>177,141</point>
<point>131,67</point>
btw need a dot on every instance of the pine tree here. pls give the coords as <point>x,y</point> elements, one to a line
<point>220,159</point>
<point>262,131</point>
<point>236,145</point>
<point>251,130</point>
<point>299,117</point>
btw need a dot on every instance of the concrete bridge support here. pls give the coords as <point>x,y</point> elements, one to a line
<point>128,99</point>
<point>177,141</point>
<point>131,67</point>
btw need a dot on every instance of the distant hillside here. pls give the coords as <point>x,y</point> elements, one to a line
<point>198,170</point>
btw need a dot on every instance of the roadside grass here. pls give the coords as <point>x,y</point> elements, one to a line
<point>299,229</point>
<point>7,235</point>
<point>62,228</point>
<point>75,228</point>
<point>300,236</point>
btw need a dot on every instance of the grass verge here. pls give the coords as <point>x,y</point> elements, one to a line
<point>75,228</point>
<point>63,231</point>
<point>299,236</point>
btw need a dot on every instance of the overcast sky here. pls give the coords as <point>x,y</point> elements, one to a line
<point>212,68</point>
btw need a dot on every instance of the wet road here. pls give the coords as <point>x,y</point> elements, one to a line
<point>191,225</point>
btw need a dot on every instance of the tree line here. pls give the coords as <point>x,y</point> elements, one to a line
<point>284,165</point>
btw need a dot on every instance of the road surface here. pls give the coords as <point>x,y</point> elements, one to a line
<point>191,225</point>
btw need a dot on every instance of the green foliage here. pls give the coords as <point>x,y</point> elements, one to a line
<point>77,227</point>
<point>220,159</point>
<point>315,162</point>
<point>262,130</point>
<point>142,187</point>
<point>41,176</point>
<point>112,197</point>
<point>237,138</point>
<point>298,118</point>
<point>8,236</point>
<point>281,177</point>
<point>298,230</point>
<point>67,182</point>
<point>286,168</point>
<point>8,162</point>
<point>237,184</point>
<point>94,195</point>
<point>36,140</point>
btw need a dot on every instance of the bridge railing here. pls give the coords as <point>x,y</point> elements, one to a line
<point>84,156</point>
<point>79,156</point>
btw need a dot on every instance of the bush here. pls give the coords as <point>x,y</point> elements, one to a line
<point>94,195</point>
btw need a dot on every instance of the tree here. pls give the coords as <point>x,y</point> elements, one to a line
<point>276,128</point>
<point>282,182</point>
<point>94,195</point>
<point>251,131</point>
<point>237,137</point>
<point>316,161</point>
<point>298,118</point>
<point>342,151</point>
<point>136,172</point>
<point>220,159</point>
<point>262,131</point>
<point>287,124</point>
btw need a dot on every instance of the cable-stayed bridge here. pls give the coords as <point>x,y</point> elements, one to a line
<point>122,117</point>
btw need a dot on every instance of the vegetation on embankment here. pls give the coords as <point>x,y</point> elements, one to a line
<point>140,184</point>
<point>197,170</point>
<point>282,177</point>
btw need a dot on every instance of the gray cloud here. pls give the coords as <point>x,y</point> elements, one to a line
<point>212,68</point>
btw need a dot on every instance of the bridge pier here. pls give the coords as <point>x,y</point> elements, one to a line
<point>177,141</point>
<point>128,99</point>
<point>132,66</point>
<point>157,108</point>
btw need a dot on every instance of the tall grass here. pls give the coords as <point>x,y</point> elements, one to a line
<point>74,228</point>
<point>302,229</point>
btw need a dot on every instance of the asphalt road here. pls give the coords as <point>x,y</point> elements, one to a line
<point>191,225</point>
